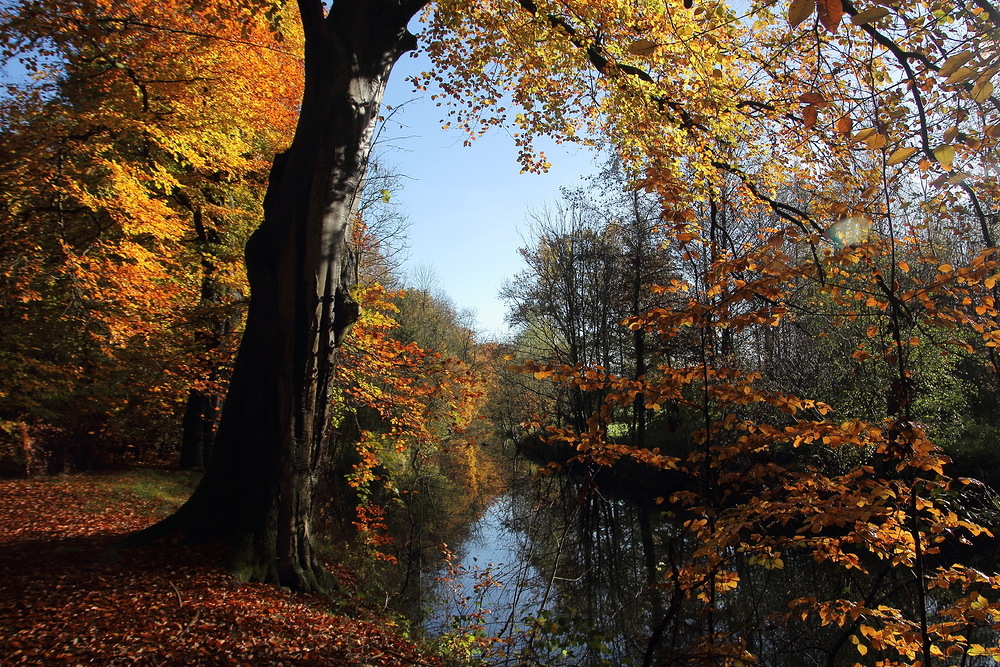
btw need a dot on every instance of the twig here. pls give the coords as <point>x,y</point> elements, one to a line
<point>180,600</point>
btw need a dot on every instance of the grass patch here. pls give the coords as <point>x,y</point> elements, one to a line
<point>162,486</point>
<point>160,492</point>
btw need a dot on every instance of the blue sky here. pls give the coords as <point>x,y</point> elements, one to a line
<point>467,205</point>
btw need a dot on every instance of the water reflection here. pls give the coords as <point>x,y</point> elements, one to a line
<point>490,576</point>
<point>558,576</point>
<point>560,572</point>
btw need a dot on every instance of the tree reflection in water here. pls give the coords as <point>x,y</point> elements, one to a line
<point>558,572</point>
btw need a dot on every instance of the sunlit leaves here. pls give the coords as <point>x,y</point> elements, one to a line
<point>819,188</point>
<point>131,177</point>
<point>642,47</point>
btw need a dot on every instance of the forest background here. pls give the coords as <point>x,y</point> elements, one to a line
<point>788,356</point>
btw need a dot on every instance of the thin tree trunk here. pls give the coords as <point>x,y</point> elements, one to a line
<point>198,427</point>
<point>258,492</point>
<point>201,412</point>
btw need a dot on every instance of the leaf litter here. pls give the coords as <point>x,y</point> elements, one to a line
<point>70,594</point>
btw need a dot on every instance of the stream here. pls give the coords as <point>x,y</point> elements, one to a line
<point>556,576</point>
<point>528,576</point>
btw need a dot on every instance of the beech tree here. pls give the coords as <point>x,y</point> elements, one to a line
<point>258,494</point>
<point>864,152</point>
<point>131,175</point>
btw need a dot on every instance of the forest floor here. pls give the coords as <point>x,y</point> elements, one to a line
<point>69,595</point>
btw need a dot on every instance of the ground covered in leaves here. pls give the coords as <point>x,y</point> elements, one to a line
<point>69,594</point>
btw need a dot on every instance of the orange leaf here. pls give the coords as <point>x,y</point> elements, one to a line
<point>799,11</point>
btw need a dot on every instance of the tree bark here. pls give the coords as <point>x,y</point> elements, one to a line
<point>258,492</point>
<point>198,430</point>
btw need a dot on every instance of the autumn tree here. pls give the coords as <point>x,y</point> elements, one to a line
<point>850,149</point>
<point>131,175</point>
<point>685,95</point>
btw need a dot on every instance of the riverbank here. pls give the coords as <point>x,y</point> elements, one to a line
<point>70,596</point>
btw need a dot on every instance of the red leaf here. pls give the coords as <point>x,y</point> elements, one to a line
<point>830,14</point>
<point>812,98</point>
<point>809,115</point>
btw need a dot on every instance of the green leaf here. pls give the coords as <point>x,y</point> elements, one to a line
<point>945,155</point>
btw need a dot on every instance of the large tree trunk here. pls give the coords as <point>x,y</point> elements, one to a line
<point>258,492</point>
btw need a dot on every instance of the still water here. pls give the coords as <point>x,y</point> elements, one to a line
<point>490,576</point>
<point>539,573</point>
<point>559,576</point>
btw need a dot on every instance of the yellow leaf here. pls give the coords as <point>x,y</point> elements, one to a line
<point>875,142</point>
<point>982,91</point>
<point>642,47</point>
<point>799,11</point>
<point>988,75</point>
<point>952,64</point>
<point>864,134</point>
<point>960,75</point>
<point>869,15</point>
<point>901,155</point>
<point>945,155</point>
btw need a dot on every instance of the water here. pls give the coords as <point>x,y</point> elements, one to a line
<point>529,578</point>
<point>550,575</point>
